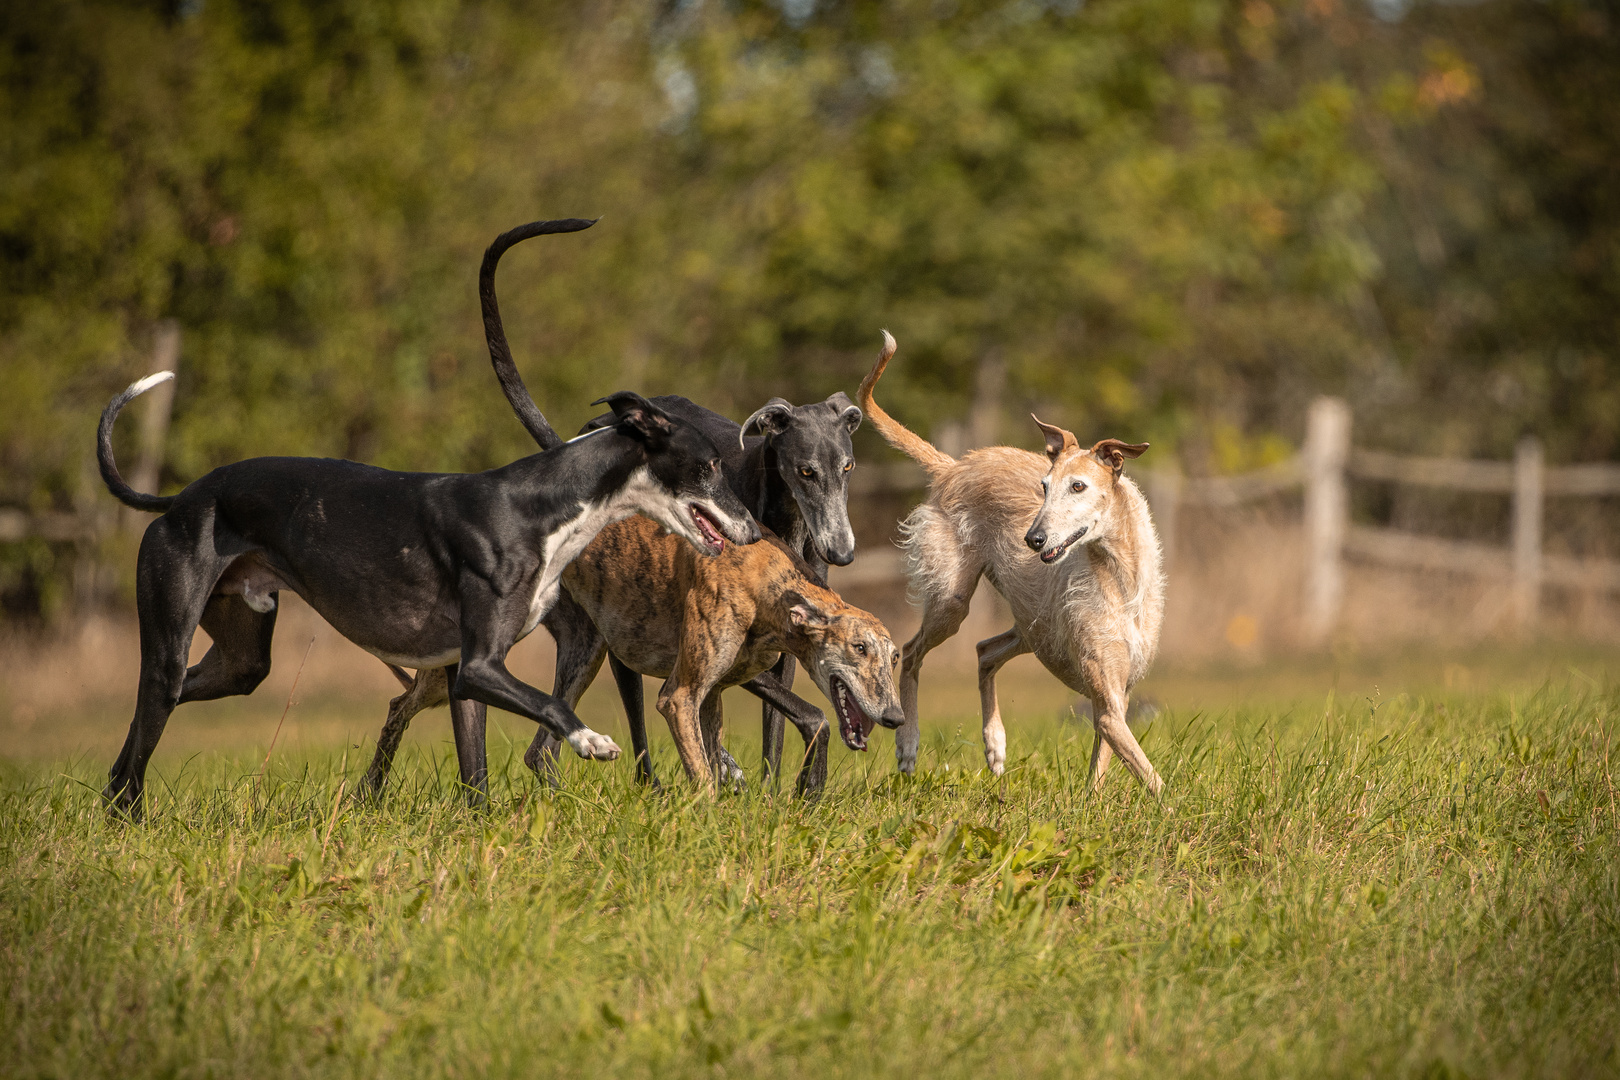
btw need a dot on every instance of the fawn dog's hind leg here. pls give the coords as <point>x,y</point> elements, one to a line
<point>944,576</point>
<point>993,653</point>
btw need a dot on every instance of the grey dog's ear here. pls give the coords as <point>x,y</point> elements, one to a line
<point>639,418</point>
<point>771,418</point>
<point>848,411</point>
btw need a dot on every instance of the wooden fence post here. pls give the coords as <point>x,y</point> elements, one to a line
<point>1528,504</point>
<point>1327,513</point>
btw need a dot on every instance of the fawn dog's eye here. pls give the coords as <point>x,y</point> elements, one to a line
<point>1077,487</point>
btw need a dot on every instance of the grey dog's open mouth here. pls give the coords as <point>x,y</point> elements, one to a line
<point>1057,553</point>
<point>709,530</point>
<point>853,723</point>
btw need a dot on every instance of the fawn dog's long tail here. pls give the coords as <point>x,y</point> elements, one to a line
<point>934,461</point>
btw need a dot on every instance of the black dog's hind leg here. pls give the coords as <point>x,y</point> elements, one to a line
<point>239,658</point>
<point>174,576</point>
<point>810,721</point>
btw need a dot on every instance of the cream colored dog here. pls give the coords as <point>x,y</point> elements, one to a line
<point>1067,540</point>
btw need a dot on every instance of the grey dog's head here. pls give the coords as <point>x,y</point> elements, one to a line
<point>813,457</point>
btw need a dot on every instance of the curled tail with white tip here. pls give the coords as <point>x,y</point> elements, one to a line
<point>934,461</point>
<point>104,452</point>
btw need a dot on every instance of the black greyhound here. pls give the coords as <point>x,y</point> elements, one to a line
<point>422,570</point>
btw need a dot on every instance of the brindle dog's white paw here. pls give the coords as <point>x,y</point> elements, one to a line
<point>592,746</point>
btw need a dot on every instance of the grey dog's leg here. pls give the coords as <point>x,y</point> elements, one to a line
<point>634,698</point>
<point>771,722</point>
<point>812,725</point>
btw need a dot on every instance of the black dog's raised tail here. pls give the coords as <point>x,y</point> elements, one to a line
<point>104,452</point>
<point>500,353</point>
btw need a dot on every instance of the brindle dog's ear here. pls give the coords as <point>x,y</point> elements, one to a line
<point>1112,452</point>
<point>1058,441</point>
<point>803,613</point>
<point>848,411</point>
<point>639,418</point>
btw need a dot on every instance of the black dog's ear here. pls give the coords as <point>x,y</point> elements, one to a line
<point>771,418</point>
<point>848,411</point>
<point>639,418</point>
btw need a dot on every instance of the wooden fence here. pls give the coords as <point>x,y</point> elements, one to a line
<point>1324,469</point>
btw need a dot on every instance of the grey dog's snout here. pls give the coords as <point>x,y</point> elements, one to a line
<point>1035,538</point>
<point>839,557</point>
<point>892,718</point>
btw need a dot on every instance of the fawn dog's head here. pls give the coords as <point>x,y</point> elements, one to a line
<point>1081,487</point>
<point>851,657</point>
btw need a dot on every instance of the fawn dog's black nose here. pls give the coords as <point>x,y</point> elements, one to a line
<point>1035,538</point>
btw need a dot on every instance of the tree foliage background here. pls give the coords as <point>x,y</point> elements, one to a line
<point>1173,220</point>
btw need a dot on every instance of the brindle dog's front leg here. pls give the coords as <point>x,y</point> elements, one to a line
<point>431,687</point>
<point>810,721</point>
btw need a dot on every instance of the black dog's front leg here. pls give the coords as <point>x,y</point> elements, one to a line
<point>810,721</point>
<point>489,625</point>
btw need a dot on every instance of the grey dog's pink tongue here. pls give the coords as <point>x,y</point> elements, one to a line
<point>867,724</point>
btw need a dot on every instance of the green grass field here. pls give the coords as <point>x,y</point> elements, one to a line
<point>1410,884</point>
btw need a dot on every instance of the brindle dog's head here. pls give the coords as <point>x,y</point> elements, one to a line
<point>813,458</point>
<point>852,659</point>
<point>1080,487</point>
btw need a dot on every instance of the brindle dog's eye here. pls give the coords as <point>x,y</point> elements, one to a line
<point>1077,487</point>
<point>860,650</point>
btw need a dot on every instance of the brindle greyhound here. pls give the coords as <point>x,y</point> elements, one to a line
<point>794,478</point>
<point>702,625</point>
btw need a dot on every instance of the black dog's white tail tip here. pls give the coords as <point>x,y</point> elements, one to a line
<point>143,385</point>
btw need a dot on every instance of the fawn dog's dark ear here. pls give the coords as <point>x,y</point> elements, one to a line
<point>1112,452</point>
<point>639,418</point>
<point>1058,441</point>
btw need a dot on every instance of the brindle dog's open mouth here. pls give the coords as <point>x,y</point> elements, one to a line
<point>709,529</point>
<point>1057,553</point>
<point>853,723</point>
